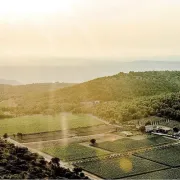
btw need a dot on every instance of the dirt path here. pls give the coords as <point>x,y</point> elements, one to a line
<point>93,147</point>
<point>80,139</point>
<point>48,158</point>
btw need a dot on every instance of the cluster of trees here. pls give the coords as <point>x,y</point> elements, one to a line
<point>3,113</point>
<point>19,163</point>
<point>167,106</point>
<point>123,86</point>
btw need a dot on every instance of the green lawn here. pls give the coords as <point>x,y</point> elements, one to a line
<point>163,174</point>
<point>169,156</point>
<point>44,123</point>
<point>123,145</point>
<point>120,167</point>
<point>74,152</point>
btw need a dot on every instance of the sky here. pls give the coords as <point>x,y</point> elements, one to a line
<point>73,32</point>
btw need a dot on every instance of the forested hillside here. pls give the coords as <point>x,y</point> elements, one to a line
<point>167,106</point>
<point>122,97</point>
<point>122,86</point>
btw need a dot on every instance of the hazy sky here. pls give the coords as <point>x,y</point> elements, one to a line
<point>31,30</point>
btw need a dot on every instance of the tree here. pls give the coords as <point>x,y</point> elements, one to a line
<point>93,141</point>
<point>176,130</point>
<point>5,136</point>
<point>82,175</point>
<point>77,170</point>
<point>142,129</point>
<point>43,162</point>
<point>20,135</point>
<point>148,123</point>
<point>55,161</point>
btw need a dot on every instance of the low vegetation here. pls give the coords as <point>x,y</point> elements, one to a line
<point>162,174</point>
<point>120,167</point>
<point>169,156</point>
<point>124,145</point>
<point>45,123</point>
<point>74,152</point>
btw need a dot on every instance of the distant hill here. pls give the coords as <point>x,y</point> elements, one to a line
<point>36,89</point>
<point>122,86</point>
<point>85,72</point>
<point>9,82</point>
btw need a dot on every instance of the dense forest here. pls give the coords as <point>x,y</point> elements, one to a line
<point>122,97</point>
<point>123,86</point>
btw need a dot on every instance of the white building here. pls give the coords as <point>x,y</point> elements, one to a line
<point>150,128</point>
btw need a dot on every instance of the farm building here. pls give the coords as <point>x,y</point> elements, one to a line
<point>161,129</point>
<point>150,128</point>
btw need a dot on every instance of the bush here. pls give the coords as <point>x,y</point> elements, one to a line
<point>5,136</point>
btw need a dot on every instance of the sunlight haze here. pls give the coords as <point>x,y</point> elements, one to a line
<point>87,29</point>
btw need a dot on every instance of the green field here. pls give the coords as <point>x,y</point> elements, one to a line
<point>74,152</point>
<point>163,174</point>
<point>120,167</point>
<point>169,156</point>
<point>44,123</point>
<point>126,144</point>
<point>52,135</point>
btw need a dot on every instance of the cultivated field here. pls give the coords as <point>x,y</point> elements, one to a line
<point>169,156</point>
<point>126,144</point>
<point>54,135</point>
<point>173,173</point>
<point>120,167</point>
<point>74,152</point>
<point>44,123</point>
<point>76,139</point>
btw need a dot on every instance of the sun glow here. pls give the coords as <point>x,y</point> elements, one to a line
<point>33,9</point>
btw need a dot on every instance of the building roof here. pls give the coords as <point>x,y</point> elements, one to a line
<point>164,128</point>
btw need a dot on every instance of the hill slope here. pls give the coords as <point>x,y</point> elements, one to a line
<point>122,86</point>
<point>124,96</point>
<point>9,82</point>
<point>9,91</point>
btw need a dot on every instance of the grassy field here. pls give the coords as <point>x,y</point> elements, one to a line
<point>45,123</point>
<point>53,135</point>
<point>125,144</point>
<point>74,152</point>
<point>169,156</point>
<point>121,167</point>
<point>163,174</point>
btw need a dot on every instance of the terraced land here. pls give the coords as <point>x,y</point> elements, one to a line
<point>125,144</point>
<point>169,156</point>
<point>74,152</point>
<point>45,123</point>
<point>120,167</point>
<point>173,173</point>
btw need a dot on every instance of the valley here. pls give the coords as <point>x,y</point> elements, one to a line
<point>100,125</point>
